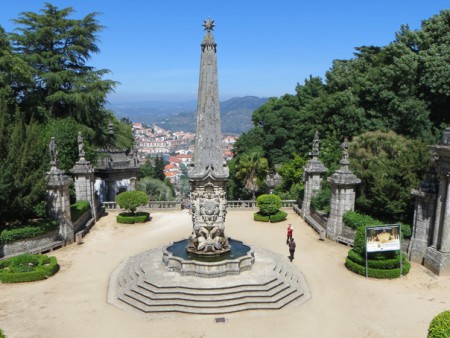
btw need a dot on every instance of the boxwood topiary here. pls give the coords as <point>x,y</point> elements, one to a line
<point>27,268</point>
<point>130,218</point>
<point>377,273</point>
<point>278,217</point>
<point>257,216</point>
<point>268,204</point>
<point>440,325</point>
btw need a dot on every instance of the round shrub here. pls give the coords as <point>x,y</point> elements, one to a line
<point>440,326</point>
<point>280,216</point>
<point>268,204</point>
<point>2,335</point>
<point>27,268</point>
<point>257,216</point>
<point>131,200</point>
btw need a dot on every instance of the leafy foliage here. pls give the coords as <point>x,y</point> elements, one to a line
<point>22,232</point>
<point>389,166</point>
<point>131,218</point>
<point>440,325</point>
<point>155,189</point>
<point>131,200</point>
<point>252,169</point>
<point>78,209</point>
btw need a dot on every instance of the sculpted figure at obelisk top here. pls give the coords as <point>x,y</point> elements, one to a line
<point>209,173</point>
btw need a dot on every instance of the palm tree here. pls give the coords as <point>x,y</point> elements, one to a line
<point>252,168</point>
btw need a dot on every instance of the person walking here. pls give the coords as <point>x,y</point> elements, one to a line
<point>292,246</point>
<point>290,230</point>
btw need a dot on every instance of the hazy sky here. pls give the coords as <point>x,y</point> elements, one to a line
<point>264,47</point>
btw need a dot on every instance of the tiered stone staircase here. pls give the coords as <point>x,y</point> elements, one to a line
<point>144,284</point>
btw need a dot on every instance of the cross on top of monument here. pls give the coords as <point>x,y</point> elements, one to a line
<point>208,24</point>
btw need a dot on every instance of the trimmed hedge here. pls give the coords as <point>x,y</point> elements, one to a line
<point>280,216</point>
<point>27,268</point>
<point>28,231</point>
<point>78,209</point>
<point>130,218</point>
<point>390,263</point>
<point>377,273</point>
<point>260,218</point>
<point>354,220</point>
<point>440,326</point>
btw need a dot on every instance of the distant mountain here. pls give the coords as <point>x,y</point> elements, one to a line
<point>149,112</point>
<point>236,113</point>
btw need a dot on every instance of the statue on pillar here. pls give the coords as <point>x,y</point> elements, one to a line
<point>315,145</point>
<point>53,151</point>
<point>344,147</point>
<point>80,141</point>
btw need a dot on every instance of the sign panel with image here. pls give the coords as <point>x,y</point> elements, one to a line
<point>383,238</point>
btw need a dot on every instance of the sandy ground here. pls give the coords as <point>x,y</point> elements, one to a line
<point>73,302</point>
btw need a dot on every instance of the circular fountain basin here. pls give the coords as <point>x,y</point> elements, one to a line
<point>240,258</point>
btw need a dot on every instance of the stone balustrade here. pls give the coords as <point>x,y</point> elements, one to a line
<point>251,204</point>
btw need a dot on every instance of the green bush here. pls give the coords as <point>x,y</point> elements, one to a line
<point>354,220</point>
<point>440,326</point>
<point>321,199</point>
<point>27,268</point>
<point>2,335</point>
<point>130,218</point>
<point>406,230</point>
<point>78,209</point>
<point>260,218</point>
<point>130,200</point>
<point>268,204</point>
<point>280,216</point>
<point>18,233</point>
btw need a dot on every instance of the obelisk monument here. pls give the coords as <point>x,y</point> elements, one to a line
<point>209,174</point>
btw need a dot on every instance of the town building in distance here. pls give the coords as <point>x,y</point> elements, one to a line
<point>175,147</point>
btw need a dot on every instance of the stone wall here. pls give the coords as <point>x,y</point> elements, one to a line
<point>29,245</point>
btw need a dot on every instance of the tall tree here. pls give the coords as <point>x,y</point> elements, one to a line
<point>252,169</point>
<point>57,48</point>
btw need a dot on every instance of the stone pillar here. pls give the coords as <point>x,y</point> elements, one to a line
<point>422,224</point>
<point>313,173</point>
<point>343,183</point>
<point>445,237</point>
<point>84,183</point>
<point>58,199</point>
<point>437,257</point>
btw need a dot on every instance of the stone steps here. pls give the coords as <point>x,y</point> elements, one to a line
<point>144,284</point>
<point>246,303</point>
<point>201,295</point>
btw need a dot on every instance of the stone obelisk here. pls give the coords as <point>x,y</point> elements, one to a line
<point>209,174</point>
